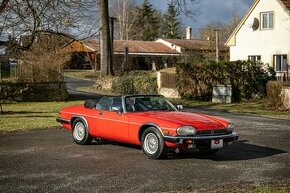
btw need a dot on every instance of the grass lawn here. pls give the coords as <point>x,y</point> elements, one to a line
<point>31,115</point>
<point>254,107</point>
<point>269,189</point>
<point>83,74</point>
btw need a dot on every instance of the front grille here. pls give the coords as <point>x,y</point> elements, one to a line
<point>211,132</point>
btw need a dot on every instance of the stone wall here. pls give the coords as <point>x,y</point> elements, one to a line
<point>46,91</point>
<point>222,94</point>
<point>169,91</point>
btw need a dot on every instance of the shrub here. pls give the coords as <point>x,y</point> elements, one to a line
<point>274,95</point>
<point>248,80</point>
<point>136,82</point>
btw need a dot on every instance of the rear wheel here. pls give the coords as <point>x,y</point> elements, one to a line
<point>80,132</point>
<point>152,143</point>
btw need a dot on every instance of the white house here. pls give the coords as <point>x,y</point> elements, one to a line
<point>263,35</point>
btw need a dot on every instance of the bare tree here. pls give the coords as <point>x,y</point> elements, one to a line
<point>3,5</point>
<point>186,6</point>
<point>19,17</point>
<point>225,29</point>
<point>126,13</point>
<point>105,39</point>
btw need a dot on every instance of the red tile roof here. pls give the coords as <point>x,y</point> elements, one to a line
<point>92,44</point>
<point>286,3</point>
<point>140,47</point>
<point>196,44</point>
<point>143,47</point>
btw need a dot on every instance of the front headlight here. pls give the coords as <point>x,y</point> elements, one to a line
<point>186,130</point>
<point>230,127</point>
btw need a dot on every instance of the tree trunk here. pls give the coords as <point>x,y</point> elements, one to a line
<point>105,40</point>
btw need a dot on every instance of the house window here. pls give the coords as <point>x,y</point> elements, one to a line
<point>255,59</point>
<point>267,19</point>
<point>280,63</point>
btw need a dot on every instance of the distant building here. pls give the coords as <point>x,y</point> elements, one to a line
<point>204,48</point>
<point>128,54</point>
<point>142,55</point>
<point>263,35</point>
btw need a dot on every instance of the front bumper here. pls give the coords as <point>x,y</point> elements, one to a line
<point>182,139</point>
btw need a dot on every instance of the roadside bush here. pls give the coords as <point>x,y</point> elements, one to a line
<point>248,80</point>
<point>135,82</point>
<point>274,96</point>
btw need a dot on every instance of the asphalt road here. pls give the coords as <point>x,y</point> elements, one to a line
<point>49,161</point>
<point>72,84</point>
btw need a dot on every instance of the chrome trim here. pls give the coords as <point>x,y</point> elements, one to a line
<point>193,128</point>
<point>234,134</point>
<point>154,125</point>
<point>123,104</point>
<point>81,117</point>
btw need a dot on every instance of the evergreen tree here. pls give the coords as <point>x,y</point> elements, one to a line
<point>172,23</point>
<point>146,24</point>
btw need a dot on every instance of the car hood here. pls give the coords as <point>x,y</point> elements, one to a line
<point>199,121</point>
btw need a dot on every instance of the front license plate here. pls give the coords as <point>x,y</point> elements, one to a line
<point>217,143</point>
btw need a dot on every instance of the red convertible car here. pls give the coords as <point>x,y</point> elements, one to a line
<point>147,120</point>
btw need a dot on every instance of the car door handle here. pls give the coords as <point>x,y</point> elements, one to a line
<point>101,113</point>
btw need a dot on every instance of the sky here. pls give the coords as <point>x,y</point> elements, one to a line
<point>210,10</point>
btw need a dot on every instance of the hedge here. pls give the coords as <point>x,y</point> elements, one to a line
<point>248,80</point>
<point>274,95</point>
<point>40,92</point>
<point>136,82</point>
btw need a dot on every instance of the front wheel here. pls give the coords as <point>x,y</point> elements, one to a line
<point>152,143</point>
<point>80,132</point>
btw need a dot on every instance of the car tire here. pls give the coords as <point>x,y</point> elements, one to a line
<point>208,151</point>
<point>152,144</point>
<point>80,132</point>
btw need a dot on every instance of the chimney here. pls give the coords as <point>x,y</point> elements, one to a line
<point>188,33</point>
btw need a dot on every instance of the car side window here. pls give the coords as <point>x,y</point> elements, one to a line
<point>109,104</point>
<point>104,104</point>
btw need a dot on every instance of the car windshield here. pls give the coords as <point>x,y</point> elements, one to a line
<point>148,103</point>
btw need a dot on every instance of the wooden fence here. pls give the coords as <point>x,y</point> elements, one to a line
<point>168,80</point>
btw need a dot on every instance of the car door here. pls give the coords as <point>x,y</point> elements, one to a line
<point>112,123</point>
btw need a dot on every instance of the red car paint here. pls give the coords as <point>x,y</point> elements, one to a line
<point>125,127</point>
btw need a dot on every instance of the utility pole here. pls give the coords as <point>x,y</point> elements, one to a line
<point>124,63</point>
<point>112,20</point>
<point>217,44</point>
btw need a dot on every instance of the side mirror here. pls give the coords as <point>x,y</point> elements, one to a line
<point>179,107</point>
